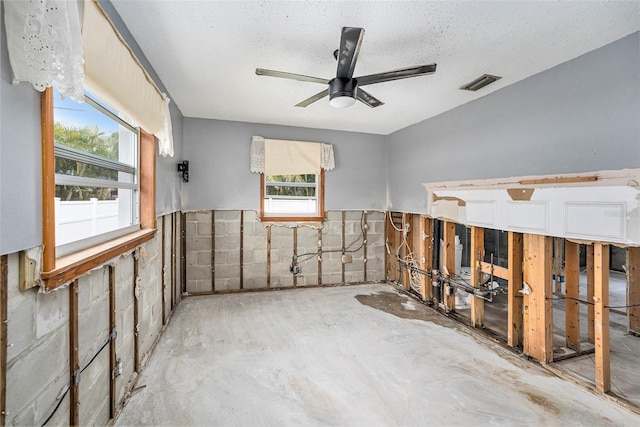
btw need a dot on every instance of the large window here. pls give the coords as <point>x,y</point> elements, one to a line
<point>96,174</point>
<point>292,197</point>
<point>98,186</point>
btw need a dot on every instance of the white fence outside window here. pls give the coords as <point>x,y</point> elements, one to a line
<point>80,219</point>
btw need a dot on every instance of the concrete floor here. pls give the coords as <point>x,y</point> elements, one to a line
<point>359,355</point>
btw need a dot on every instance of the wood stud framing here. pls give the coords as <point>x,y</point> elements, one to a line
<point>426,255</point>
<point>538,325</point>
<point>633,289</point>
<point>74,362</point>
<point>268,257</point>
<point>112,341</point>
<point>3,336</point>
<point>601,313</point>
<point>136,314</point>
<point>590,288</point>
<point>449,263</point>
<point>477,255</point>
<point>572,294</point>
<point>163,282</point>
<point>514,296</point>
<point>295,253</point>
<point>213,251</point>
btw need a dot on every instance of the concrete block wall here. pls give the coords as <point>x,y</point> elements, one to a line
<point>261,265</point>
<point>38,333</point>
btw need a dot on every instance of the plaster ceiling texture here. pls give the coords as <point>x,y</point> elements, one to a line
<point>206,52</point>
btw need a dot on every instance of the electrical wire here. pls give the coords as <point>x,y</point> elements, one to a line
<point>68,386</point>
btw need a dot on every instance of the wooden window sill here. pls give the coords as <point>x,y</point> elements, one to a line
<point>71,266</point>
<point>298,219</point>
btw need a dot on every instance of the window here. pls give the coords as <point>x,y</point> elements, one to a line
<point>96,174</point>
<point>98,186</point>
<point>292,197</point>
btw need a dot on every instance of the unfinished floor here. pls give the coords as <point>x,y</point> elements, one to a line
<point>356,355</point>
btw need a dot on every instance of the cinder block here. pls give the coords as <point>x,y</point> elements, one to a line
<point>190,230</point>
<point>52,311</point>
<point>331,279</point>
<point>226,242</point>
<point>204,228</point>
<point>255,271</point>
<point>199,243</point>
<point>254,242</point>
<point>260,256</point>
<point>203,258</point>
<point>94,390</point>
<point>199,272</point>
<point>201,216</point>
<point>225,216</point>
<point>93,329</point>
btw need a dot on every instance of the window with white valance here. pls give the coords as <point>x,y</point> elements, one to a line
<point>73,43</point>
<point>291,178</point>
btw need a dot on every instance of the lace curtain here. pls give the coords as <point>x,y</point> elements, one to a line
<point>327,160</point>
<point>45,44</point>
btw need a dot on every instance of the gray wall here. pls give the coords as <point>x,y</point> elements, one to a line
<point>581,116</point>
<point>20,165</point>
<point>218,152</point>
<point>20,160</point>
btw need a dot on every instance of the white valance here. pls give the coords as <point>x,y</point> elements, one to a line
<point>47,44</point>
<point>282,157</point>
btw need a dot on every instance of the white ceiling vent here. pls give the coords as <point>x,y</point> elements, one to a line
<point>480,82</point>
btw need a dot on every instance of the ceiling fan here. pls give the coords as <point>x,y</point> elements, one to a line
<point>344,89</point>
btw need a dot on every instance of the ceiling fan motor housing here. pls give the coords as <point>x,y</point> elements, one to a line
<point>341,87</point>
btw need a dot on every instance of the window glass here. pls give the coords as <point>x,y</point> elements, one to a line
<point>291,195</point>
<point>96,173</point>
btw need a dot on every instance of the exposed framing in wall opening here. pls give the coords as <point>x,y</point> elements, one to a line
<point>60,270</point>
<point>561,302</point>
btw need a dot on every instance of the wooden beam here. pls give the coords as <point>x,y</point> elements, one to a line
<point>426,255</point>
<point>4,285</point>
<point>633,289</point>
<point>112,341</point>
<point>136,314</point>
<point>477,255</point>
<point>364,247</point>
<point>319,258</point>
<point>449,238</point>
<point>295,252</point>
<point>269,256</point>
<point>559,180</point>
<point>572,294</point>
<point>183,257</point>
<point>514,284</point>
<point>242,250</point>
<point>558,249</point>
<point>163,279</point>
<point>601,319</point>
<point>74,362</point>
<point>342,243</point>
<point>538,321</point>
<point>147,180</point>
<point>48,181</point>
<point>213,251</point>
<point>498,271</point>
<point>174,224</point>
<point>590,281</point>
<point>408,236</point>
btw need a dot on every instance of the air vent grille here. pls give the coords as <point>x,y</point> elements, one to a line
<point>480,82</point>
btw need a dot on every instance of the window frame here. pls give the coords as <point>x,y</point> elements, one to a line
<point>57,271</point>
<point>294,218</point>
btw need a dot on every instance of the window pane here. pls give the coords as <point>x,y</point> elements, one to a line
<point>92,144</point>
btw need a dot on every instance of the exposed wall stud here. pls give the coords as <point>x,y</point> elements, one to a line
<point>514,296</point>
<point>425,255</point>
<point>633,289</point>
<point>590,285</point>
<point>319,257</point>
<point>4,272</point>
<point>572,294</point>
<point>112,342</point>
<point>342,243</point>
<point>408,233</point>
<point>449,236</point>
<point>538,321</point>
<point>601,319</point>
<point>213,251</point>
<point>163,281</point>
<point>477,255</point>
<point>242,250</point>
<point>295,254</point>
<point>136,314</point>
<point>364,245</point>
<point>74,367</point>
<point>174,261</point>
<point>268,256</point>
<point>183,257</point>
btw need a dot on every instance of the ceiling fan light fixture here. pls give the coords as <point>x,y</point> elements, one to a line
<point>480,82</point>
<point>342,92</point>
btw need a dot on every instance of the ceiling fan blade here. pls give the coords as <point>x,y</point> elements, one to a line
<point>402,73</point>
<point>313,98</point>
<point>368,99</point>
<point>350,42</point>
<point>291,76</point>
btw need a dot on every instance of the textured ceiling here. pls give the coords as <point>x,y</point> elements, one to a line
<point>206,52</point>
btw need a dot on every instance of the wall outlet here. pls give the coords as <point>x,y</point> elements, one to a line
<point>347,258</point>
